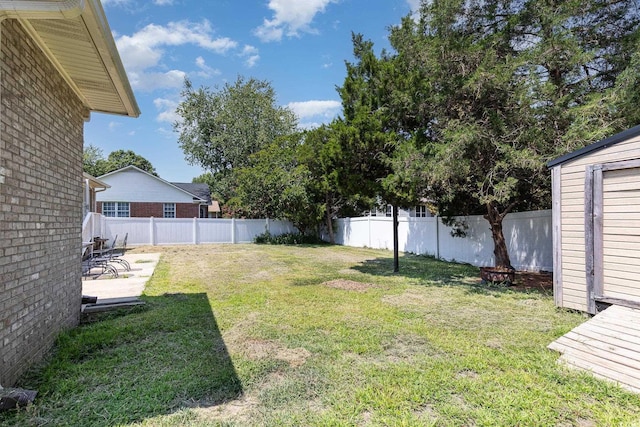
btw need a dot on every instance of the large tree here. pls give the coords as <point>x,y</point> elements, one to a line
<point>96,165</point>
<point>221,128</point>
<point>369,134</point>
<point>494,88</point>
<point>279,185</point>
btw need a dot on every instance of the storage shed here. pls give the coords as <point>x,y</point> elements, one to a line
<point>596,240</point>
<point>596,224</point>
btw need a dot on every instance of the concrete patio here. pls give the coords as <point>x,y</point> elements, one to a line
<point>129,284</point>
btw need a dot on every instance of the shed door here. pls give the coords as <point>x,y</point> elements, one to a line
<point>615,232</point>
<point>621,234</point>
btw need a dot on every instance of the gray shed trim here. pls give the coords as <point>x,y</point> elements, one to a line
<point>619,137</point>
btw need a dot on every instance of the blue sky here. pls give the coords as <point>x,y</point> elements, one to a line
<point>299,46</point>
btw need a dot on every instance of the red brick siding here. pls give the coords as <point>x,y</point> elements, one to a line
<point>156,210</point>
<point>145,210</point>
<point>187,210</point>
<point>41,137</point>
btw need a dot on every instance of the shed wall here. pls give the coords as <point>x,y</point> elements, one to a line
<point>572,255</point>
<point>41,139</point>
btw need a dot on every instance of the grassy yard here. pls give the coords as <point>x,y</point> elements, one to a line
<point>319,335</point>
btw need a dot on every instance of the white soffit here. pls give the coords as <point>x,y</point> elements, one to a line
<point>76,37</point>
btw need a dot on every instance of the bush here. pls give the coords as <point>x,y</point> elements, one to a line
<point>267,238</point>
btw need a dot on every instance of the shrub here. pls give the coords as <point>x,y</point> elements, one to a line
<point>267,238</point>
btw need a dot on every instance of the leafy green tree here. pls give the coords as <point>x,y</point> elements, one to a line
<point>221,129</point>
<point>122,158</point>
<point>277,185</point>
<point>368,134</point>
<point>96,165</point>
<point>496,88</point>
<point>321,153</point>
<point>93,161</point>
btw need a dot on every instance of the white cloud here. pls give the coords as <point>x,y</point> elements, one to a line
<point>150,81</point>
<point>250,53</point>
<point>143,51</point>
<point>205,70</point>
<point>107,3</point>
<point>306,109</point>
<point>167,110</point>
<point>414,5</point>
<point>308,125</point>
<point>113,126</point>
<point>163,2</point>
<point>290,18</point>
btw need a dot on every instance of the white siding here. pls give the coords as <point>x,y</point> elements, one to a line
<point>131,185</point>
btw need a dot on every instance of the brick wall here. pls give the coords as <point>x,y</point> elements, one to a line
<point>187,210</point>
<point>41,138</point>
<point>156,210</point>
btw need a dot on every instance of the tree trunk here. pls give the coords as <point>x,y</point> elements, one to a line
<point>500,252</point>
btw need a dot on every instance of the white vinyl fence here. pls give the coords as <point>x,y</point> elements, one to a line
<point>191,231</point>
<point>528,236</point>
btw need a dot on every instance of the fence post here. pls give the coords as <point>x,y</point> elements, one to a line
<point>267,226</point>
<point>233,230</point>
<point>369,228</point>
<point>195,230</point>
<point>152,236</point>
<point>437,237</point>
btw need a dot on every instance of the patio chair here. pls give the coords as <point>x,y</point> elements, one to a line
<point>93,266</point>
<point>109,255</point>
<point>119,251</point>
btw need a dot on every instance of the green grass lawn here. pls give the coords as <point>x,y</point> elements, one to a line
<point>319,335</point>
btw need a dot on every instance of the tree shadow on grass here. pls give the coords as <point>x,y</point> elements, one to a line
<point>429,271</point>
<point>129,366</point>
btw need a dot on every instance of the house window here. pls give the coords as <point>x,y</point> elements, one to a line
<point>421,212</point>
<point>169,210</point>
<point>389,210</point>
<point>115,209</point>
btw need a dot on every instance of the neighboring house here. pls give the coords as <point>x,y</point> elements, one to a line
<point>214,210</point>
<point>58,63</point>
<point>91,186</point>
<point>596,241</point>
<point>200,190</point>
<point>138,194</point>
<point>420,211</point>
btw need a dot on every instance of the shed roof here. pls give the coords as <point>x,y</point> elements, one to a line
<point>607,142</point>
<point>77,39</point>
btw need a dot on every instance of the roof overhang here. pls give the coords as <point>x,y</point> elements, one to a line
<point>77,39</point>
<point>95,183</point>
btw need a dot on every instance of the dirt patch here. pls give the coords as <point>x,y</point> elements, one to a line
<point>526,281</point>
<point>237,410</point>
<point>263,349</point>
<point>349,285</point>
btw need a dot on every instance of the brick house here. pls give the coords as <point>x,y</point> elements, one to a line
<point>135,193</point>
<point>58,63</point>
